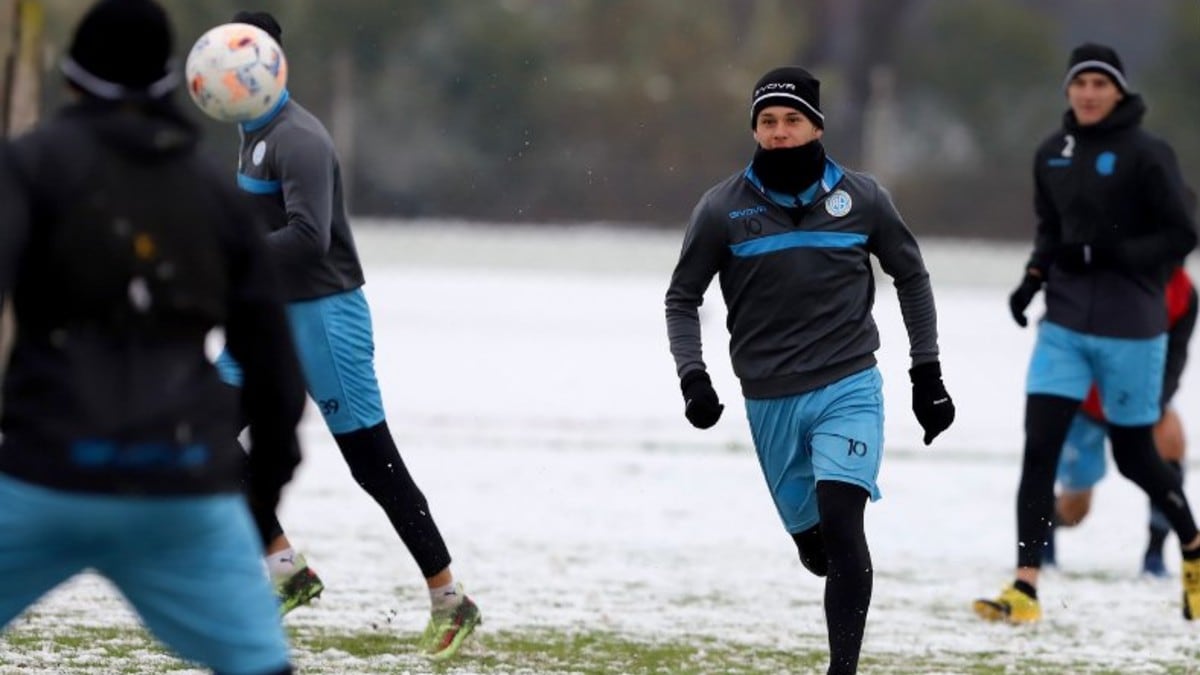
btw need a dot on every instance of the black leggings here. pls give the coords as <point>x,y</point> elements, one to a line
<point>1047,421</point>
<point>840,554</point>
<point>378,469</point>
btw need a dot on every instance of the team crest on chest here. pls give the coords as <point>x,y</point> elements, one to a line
<point>838,203</point>
<point>260,151</point>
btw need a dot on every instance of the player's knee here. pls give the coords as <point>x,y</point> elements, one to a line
<point>1133,451</point>
<point>842,506</point>
<point>811,546</point>
<point>1073,507</point>
<point>1168,437</point>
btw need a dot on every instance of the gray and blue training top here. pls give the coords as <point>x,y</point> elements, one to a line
<point>797,281</point>
<point>288,163</point>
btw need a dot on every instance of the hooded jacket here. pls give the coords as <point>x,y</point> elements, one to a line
<point>1119,189</point>
<point>122,249</point>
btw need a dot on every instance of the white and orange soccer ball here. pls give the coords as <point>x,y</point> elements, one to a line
<point>236,72</point>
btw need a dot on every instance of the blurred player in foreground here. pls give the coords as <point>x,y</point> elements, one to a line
<point>122,249</point>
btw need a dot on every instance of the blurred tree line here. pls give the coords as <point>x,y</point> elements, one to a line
<point>624,111</point>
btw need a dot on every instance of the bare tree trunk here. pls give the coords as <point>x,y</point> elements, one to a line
<point>880,126</point>
<point>853,37</point>
<point>19,107</point>
<point>341,114</point>
<point>23,84</point>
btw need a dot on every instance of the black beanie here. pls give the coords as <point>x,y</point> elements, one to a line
<point>1090,57</point>
<point>122,49</point>
<point>788,86</point>
<point>262,20</point>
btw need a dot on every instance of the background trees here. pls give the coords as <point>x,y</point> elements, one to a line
<point>625,110</point>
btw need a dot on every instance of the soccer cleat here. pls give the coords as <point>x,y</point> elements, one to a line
<point>1013,606</point>
<point>299,588</point>
<point>1153,566</point>
<point>447,629</point>
<point>1191,589</point>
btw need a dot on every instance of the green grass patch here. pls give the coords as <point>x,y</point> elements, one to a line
<point>80,650</point>
<point>74,650</point>
<point>585,653</point>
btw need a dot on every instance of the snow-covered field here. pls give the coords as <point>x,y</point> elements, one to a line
<point>527,380</point>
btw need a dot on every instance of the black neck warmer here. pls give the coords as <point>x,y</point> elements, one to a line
<point>790,170</point>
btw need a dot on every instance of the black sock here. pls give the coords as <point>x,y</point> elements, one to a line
<point>1026,588</point>
<point>376,465</point>
<point>1160,527</point>
<point>1047,419</point>
<point>848,586</point>
<point>265,520</point>
<point>1158,537</point>
<point>1137,459</point>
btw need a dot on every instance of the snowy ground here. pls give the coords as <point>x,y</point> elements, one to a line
<point>527,380</point>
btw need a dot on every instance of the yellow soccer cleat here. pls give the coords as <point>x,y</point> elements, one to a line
<point>1191,589</point>
<point>1015,607</point>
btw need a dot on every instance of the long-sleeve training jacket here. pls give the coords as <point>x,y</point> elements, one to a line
<point>122,249</point>
<point>1118,188</point>
<point>287,161</point>
<point>797,284</point>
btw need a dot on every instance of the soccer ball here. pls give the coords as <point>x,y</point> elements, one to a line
<point>236,72</point>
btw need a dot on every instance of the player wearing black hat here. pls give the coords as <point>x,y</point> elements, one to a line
<point>791,238</point>
<point>122,249</point>
<point>1114,219</point>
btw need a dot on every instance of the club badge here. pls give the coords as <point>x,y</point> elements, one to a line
<point>838,203</point>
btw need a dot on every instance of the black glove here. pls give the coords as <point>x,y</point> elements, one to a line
<point>1020,298</point>
<point>1085,258</point>
<point>269,466</point>
<point>701,405</point>
<point>931,404</point>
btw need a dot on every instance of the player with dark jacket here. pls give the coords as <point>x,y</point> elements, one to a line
<point>122,249</point>
<point>1113,221</point>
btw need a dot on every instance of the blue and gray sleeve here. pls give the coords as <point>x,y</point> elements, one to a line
<point>704,248</point>
<point>305,165</point>
<point>900,257</point>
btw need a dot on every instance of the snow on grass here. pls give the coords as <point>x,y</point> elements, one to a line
<point>527,381</point>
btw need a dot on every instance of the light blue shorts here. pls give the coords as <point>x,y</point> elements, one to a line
<point>190,566</point>
<point>1128,372</point>
<point>1084,460</point>
<point>834,433</point>
<point>336,346</point>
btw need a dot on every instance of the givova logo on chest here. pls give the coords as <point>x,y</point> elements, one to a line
<point>744,213</point>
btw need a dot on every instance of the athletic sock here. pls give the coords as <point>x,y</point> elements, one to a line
<point>445,597</point>
<point>1026,588</point>
<point>1158,537</point>
<point>282,563</point>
